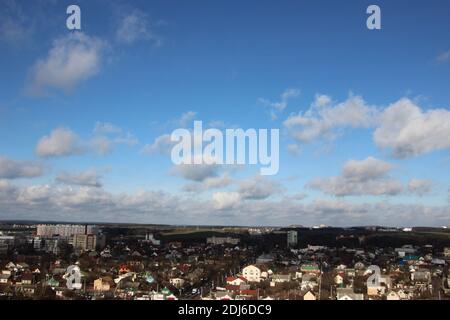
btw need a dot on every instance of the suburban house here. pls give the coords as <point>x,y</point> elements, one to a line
<point>236,281</point>
<point>280,278</point>
<point>348,294</point>
<point>4,278</point>
<point>102,284</point>
<point>177,282</point>
<point>309,296</point>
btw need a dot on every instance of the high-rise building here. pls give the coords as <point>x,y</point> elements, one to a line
<point>64,230</point>
<point>292,238</point>
<point>88,241</point>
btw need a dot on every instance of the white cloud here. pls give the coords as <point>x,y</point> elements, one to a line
<point>88,178</point>
<point>209,183</point>
<point>64,142</point>
<point>367,169</point>
<point>278,106</point>
<point>420,187</point>
<point>104,144</point>
<point>196,172</point>
<point>72,59</point>
<point>162,144</point>
<point>60,142</point>
<point>365,177</point>
<point>323,119</point>
<point>408,131</point>
<point>87,204</point>
<point>443,57</point>
<point>225,200</point>
<point>13,169</point>
<point>403,127</point>
<point>34,194</point>
<point>257,188</point>
<point>186,118</point>
<point>106,128</point>
<point>135,27</point>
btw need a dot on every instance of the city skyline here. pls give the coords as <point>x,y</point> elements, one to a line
<point>364,115</point>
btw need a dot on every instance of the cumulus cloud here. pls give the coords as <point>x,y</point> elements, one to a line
<point>88,178</point>
<point>104,144</point>
<point>277,106</point>
<point>420,187</point>
<point>257,188</point>
<point>403,127</point>
<point>13,169</point>
<point>367,169</point>
<point>72,59</point>
<point>61,142</point>
<point>323,119</point>
<point>408,131</point>
<point>64,142</point>
<point>186,118</point>
<point>215,182</point>
<point>360,177</point>
<point>135,27</point>
<point>162,144</point>
<point>196,172</point>
<point>225,200</point>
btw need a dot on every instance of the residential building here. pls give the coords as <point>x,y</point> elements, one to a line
<point>64,230</point>
<point>222,240</point>
<point>252,273</point>
<point>292,240</point>
<point>88,241</point>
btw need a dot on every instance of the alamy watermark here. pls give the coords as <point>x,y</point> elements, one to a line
<point>232,147</point>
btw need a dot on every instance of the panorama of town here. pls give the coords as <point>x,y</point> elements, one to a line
<point>150,262</point>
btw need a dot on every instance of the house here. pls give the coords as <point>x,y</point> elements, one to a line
<point>404,295</point>
<point>421,276</point>
<point>309,282</point>
<point>380,288</point>
<point>123,269</point>
<point>350,272</point>
<point>177,282</point>
<point>339,280</point>
<point>359,266</point>
<point>252,273</point>
<point>27,290</point>
<point>10,266</point>
<point>310,268</point>
<point>265,258</point>
<point>102,284</point>
<point>447,252</point>
<point>348,294</point>
<point>27,278</point>
<point>281,278</point>
<point>309,296</point>
<point>171,297</point>
<point>236,281</point>
<point>405,250</point>
<point>4,278</point>
<point>392,295</point>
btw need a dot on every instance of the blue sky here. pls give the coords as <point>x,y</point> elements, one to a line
<point>365,130</point>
